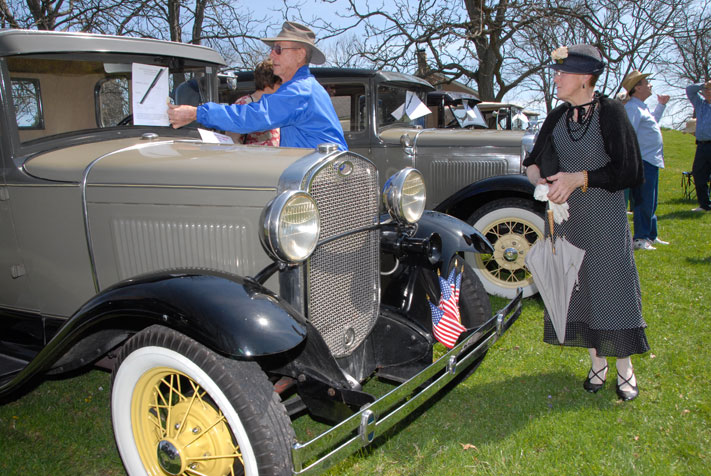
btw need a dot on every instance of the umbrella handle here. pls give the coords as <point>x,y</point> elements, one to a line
<point>549,213</point>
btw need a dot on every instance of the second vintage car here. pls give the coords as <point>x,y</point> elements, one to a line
<point>473,174</point>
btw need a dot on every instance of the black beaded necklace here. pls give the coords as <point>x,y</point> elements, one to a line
<point>582,123</point>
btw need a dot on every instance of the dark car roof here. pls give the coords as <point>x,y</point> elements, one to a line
<point>435,98</point>
<point>24,42</point>
<point>380,75</point>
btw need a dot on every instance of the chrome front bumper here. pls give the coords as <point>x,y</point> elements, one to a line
<point>372,420</point>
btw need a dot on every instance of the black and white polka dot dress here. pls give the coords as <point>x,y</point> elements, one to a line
<point>605,310</point>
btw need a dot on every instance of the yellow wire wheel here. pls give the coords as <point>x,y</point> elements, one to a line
<point>178,429</point>
<point>179,408</point>
<point>512,226</point>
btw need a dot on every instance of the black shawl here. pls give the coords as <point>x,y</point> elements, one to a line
<point>625,168</point>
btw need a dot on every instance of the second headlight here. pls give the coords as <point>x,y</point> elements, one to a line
<point>404,195</point>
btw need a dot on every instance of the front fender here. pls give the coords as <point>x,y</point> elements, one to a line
<point>452,236</point>
<point>456,236</point>
<point>233,316</point>
<point>509,185</point>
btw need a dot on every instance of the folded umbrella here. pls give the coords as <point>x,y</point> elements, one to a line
<point>554,267</point>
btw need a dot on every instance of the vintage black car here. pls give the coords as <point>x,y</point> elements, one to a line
<point>228,287</point>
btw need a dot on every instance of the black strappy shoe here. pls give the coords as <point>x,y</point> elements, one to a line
<point>594,387</point>
<point>627,395</point>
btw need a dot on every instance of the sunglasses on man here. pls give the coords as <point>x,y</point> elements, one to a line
<point>278,49</point>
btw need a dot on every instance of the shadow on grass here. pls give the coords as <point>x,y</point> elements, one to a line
<point>36,381</point>
<point>706,260</point>
<point>685,215</point>
<point>681,201</point>
<point>491,412</point>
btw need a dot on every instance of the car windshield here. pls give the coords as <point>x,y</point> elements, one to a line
<point>401,106</point>
<point>56,95</point>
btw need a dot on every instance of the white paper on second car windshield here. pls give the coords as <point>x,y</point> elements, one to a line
<point>412,108</point>
<point>149,93</point>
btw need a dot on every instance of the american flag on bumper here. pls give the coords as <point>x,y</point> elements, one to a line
<point>446,320</point>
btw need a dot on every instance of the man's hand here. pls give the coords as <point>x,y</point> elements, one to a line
<point>181,115</point>
<point>707,84</point>
<point>662,99</point>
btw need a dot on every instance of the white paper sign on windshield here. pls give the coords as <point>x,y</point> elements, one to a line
<point>522,118</point>
<point>413,108</point>
<point>149,94</point>
<point>470,116</point>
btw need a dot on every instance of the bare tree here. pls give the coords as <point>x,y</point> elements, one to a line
<point>630,34</point>
<point>222,24</point>
<point>468,41</point>
<point>53,14</point>
<point>690,60</point>
<point>501,46</point>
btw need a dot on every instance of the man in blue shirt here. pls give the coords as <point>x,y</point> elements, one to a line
<point>649,136</point>
<point>301,107</point>
<point>700,97</point>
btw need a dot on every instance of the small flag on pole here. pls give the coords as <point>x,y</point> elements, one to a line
<point>446,320</point>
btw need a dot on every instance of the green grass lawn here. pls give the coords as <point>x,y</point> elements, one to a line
<point>523,412</point>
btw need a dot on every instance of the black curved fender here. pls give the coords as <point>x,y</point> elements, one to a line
<point>232,315</point>
<point>455,235</point>
<point>400,288</point>
<point>511,184</point>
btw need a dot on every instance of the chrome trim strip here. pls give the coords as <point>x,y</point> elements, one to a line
<point>191,187</point>
<point>53,184</point>
<point>85,210</point>
<point>376,418</point>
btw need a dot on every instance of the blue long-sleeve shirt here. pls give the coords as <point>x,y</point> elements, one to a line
<point>301,107</point>
<point>703,111</point>
<point>646,125</point>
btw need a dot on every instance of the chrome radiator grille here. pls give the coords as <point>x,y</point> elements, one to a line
<point>448,175</point>
<point>343,275</point>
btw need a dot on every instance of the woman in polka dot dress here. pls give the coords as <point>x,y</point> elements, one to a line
<point>588,154</point>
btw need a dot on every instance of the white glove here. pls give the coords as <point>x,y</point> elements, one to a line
<point>560,210</point>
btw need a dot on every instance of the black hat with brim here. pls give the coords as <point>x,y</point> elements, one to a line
<point>580,59</point>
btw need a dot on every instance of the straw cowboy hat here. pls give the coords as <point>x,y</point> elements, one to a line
<point>292,31</point>
<point>632,79</point>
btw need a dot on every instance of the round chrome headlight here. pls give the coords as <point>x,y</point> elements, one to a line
<point>404,195</point>
<point>291,226</point>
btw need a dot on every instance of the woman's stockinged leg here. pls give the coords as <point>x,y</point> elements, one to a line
<point>598,371</point>
<point>626,380</point>
<point>625,371</point>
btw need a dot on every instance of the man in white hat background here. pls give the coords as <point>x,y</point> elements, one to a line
<point>301,107</point>
<point>700,97</point>
<point>649,136</point>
